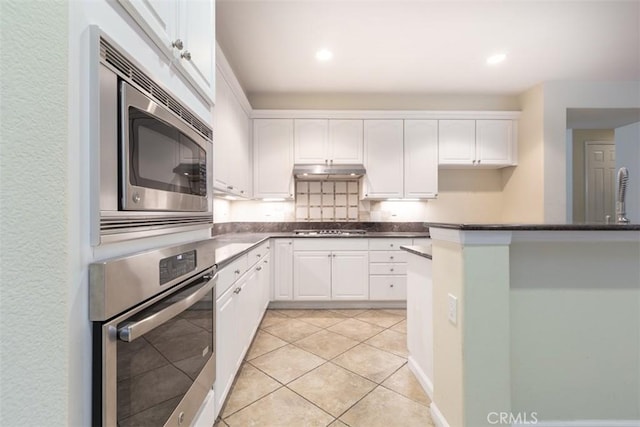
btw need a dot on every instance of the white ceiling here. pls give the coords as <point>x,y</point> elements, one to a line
<point>386,46</point>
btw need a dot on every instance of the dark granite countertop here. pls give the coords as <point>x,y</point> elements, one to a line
<point>536,227</point>
<point>232,245</point>
<point>420,250</point>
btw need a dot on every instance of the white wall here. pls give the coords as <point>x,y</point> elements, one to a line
<point>627,140</point>
<point>35,267</point>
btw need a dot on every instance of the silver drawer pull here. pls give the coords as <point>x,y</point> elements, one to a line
<point>237,271</point>
<point>391,285</point>
<point>391,257</point>
<point>391,269</point>
<point>258,268</point>
<point>237,290</point>
<point>258,255</point>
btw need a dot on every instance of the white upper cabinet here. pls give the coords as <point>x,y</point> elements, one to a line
<point>185,32</point>
<point>383,159</point>
<point>494,142</point>
<point>457,142</point>
<point>345,141</point>
<point>323,141</point>
<point>273,158</point>
<point>490,143</point>
<point>231,145</point>
<point>420,159</point>
<point>311,141</point>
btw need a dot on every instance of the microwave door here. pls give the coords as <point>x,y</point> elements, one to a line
<point>163,162</point>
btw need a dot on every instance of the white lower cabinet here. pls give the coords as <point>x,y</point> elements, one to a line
<point>330,269</point>
<point>239,311</point>
<point>349,272</point>
<point>388,269</point>
<point>312,275</point>
<point>283,270</point>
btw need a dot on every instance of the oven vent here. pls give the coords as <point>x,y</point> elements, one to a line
<point>121,224</point>
<point>133,74</point>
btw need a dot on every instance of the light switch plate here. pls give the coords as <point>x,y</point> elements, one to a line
<point>453,309</point>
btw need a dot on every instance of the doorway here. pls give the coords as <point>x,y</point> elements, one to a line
<point>599,168</point>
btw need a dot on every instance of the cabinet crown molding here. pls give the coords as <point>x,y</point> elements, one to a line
<point>385,114</point>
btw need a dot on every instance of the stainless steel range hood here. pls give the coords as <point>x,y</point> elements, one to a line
<point>328,171</point>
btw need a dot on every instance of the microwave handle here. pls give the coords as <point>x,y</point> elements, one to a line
<point>134,330</point>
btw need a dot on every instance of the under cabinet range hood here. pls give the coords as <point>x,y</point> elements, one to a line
<point>319,172</point>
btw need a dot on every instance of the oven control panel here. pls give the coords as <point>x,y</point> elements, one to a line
<point>178,265</point>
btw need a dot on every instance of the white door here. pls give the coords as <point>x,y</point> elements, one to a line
<point>265,285</point>
<point>494,140</point>
<point>384,157</point>
<point>312,275</point>
<point>283,270</point>
<point>346,141</point>
<point>311,138</point>
<point>227,344</point>
<point>457,142</point>
<point>197,29</point>
<point>600,171</point>
<point>350,275</point>
<point>273,158</point>
<point>221,140</point>
<point>420,158</point>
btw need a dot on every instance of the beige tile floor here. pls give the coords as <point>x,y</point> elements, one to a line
<point>328,367</point>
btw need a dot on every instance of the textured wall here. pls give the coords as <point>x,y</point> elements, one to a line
<point>34,264</point>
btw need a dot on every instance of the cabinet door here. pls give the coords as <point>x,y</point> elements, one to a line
<point>420,158</point>
<point>283,270</point>
<point>222,135</point>
<point>227,344</point>
<point>311,141</point>
<point>265,285</point>
<point>350,275</point>
<point>457,142</point>
<point>273,158</point>
<point>383,152</point>
<point>346,141</point>
<point>494,142</point>
<point>197,30</point>
<point>157,18</point>
<point>239,167</point>
<point>250,307</point>
<point>312,275</point>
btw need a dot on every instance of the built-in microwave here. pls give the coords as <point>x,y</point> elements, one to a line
<point>154,154</point>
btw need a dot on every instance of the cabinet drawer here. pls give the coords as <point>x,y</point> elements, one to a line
<point>388,268</point>
<point>388,288</point>
<point>258,253</point>
<point>230,273</point>
<point>388,256</point>
<point>388,244</point>
<point>330,244</point>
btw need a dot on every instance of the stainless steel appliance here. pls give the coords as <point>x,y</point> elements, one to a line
<point>153,153</point>
<point>153,319</point>
<point>330,232</point>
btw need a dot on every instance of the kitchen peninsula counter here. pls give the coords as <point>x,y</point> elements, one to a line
<point>535,318</point>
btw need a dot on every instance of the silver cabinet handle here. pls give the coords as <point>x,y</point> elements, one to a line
<point>178,44</point>
<point>237,271</point>
<point>478,161</point>
<point>391,244</point>
<point>391,257</point>
<point>329,255</point>
<point>266,261</point>
<point>258,268</point>
<point>474,162</point>
<point>133,330</point>
<point>186,55</point>
<point>391,269</point>
<point>258,255</point>
<point>237,290</point>
<point>334,255</point>
<point>229,187</point>
<point>290,243</point>
<point>391,285</point>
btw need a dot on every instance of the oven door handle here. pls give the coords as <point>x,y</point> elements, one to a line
<point>133,330</point>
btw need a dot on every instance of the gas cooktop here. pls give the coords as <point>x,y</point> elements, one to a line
<point>330,232</point>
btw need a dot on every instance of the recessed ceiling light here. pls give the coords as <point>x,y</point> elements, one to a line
<point>496,59</point>
<point>324,55</point>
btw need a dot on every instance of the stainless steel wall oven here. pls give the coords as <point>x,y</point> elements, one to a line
<point>153,153</point>
<point>153,336</point>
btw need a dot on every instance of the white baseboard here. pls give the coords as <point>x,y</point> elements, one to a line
<point>422,377</point>
<point>206,416</point>
<point>582,423</point>
<point>437,417</point>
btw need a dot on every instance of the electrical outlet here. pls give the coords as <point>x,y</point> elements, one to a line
<point>453,309</point>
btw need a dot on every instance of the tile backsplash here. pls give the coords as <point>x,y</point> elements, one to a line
<point>335,200</point>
